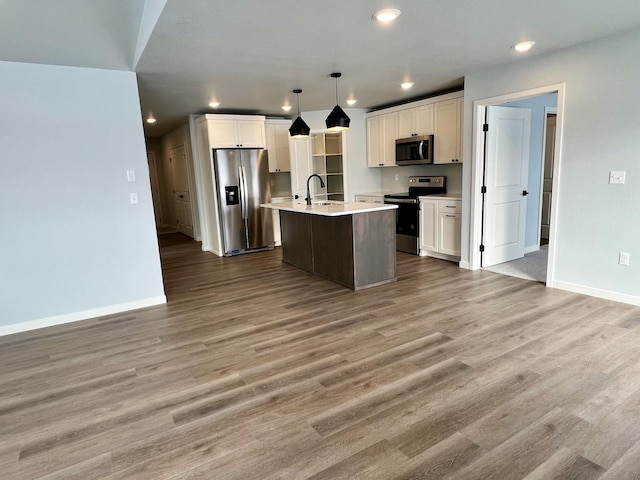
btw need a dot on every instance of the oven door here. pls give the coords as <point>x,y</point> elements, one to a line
<point>407,215</point>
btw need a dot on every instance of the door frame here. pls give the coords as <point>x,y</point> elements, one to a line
<point>155,188</point>
<point>547,112</point>
<point>479,108</point>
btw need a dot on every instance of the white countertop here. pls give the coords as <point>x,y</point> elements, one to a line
<point>333,210</point>
<point>441,196</point>
<point>377,194</point>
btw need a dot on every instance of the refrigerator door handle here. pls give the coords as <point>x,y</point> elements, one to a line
<point>243,191</point>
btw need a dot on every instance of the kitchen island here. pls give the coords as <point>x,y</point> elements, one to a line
<point>353,244</point>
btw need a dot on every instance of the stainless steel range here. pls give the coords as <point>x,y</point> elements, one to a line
<point>408,212</point>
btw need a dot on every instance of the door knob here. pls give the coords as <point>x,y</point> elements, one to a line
<point>524,193</point>
<point>180,196</point>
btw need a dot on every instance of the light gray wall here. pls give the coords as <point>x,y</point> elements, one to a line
<point>536,161</point>
<point>70,240</point>
<point>601,133</point>
<point>360,178</point>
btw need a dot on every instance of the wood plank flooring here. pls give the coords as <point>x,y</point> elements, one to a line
<point>257,370</point>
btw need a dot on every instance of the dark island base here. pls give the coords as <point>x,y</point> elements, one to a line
<point>357,251</point>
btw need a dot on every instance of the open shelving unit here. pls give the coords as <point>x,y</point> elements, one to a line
<point>327,161</point>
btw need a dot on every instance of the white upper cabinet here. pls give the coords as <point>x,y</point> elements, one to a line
<point>406,123</point>
<point>447,131</point>
<point>236,131</point>
<point>382,131</point>
<point>439,116</point>
<point>277,143</point>
<point>415,121</point>
<point>424,120</point>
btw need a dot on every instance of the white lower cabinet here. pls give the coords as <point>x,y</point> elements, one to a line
<point>440,227</point>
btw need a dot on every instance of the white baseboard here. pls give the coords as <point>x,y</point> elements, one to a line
<point>464,264</point>
<point>83,315</point>
<point>596,292</point>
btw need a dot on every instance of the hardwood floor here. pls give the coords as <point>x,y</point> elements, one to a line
<point>257,370</point>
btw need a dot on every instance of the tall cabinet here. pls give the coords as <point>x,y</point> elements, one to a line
<point>211,132</point>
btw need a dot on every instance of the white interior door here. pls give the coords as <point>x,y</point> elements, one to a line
<point>506,170</point>
<point>181,195</point>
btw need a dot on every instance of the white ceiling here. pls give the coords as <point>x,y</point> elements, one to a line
<point>250,54</point>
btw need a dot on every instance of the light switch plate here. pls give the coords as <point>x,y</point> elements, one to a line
<point>131,176</point>
<point>617,177</point>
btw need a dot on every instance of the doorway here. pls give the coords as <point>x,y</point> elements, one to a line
<point>180,191</point>
<point>478,177</point>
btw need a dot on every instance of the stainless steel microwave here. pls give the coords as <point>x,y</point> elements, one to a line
<point>414,150</point>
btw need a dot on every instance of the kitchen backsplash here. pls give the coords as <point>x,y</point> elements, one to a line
<point>390,184</point>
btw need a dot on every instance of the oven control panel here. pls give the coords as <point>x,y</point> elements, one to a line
<point>426,181</point>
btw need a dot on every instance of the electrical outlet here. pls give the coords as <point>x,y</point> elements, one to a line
<point>617,177</point>
<point>623,258</point>
<point>396,177</point>
<point>133,197</point>
<point>273,182</point>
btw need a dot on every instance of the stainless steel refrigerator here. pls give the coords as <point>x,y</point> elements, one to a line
<point>242,180</point>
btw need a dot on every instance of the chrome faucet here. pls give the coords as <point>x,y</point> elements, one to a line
<point>308,199</point>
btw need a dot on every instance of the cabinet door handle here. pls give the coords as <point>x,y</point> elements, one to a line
<point>451,216</point>
<point>451,206</point>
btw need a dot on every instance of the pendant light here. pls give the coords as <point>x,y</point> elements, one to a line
<point>298,128</point>
<point>337,119</point>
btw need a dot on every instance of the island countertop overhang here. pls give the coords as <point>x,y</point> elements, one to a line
<point>333,210</point>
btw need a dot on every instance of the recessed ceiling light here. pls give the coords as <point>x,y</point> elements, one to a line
<point>352,101</point>
<point>407,85</point>
<point>286,108</point>
<point>214,104</point>
<point>523,46</point>
<point>387,15</point>
<point>151,120</point>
